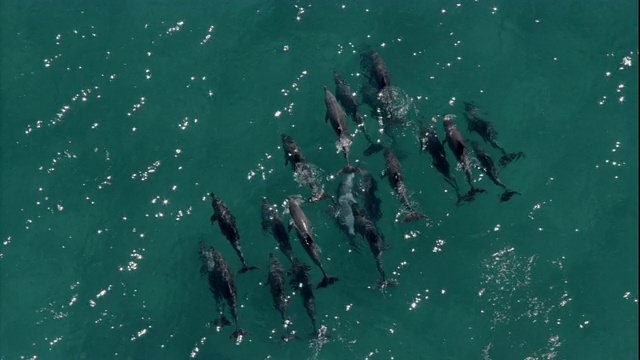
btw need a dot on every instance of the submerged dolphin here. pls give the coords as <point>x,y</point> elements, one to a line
<point>347,99</point>
<point>396,180</point>
<point>486,131</point>
<point>459,149</point>
<point>301,282</point>
<point>430,142</point>
<point>367,188</point>
<point>342,208</point>
<point>275,280</point>
<point>272,222</point>
<point>367,229</point>
<point>222,284</point>
<point>489,168</point>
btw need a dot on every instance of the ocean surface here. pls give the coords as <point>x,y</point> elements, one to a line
<point>118,118</point>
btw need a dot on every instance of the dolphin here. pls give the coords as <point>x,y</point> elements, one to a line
<point>486,131</point>
<point>338,119</point>
<point>275,280</point>
<point>378,71</point>
<point>272,222</point>
<point>367,229</point>
<point>489,168</point>
<point>292,152</point>
<point>396,180</point>
<point>347,99</point>
<point>301,282</point>
<point>456,144</point>
<point>209,268</point>
<point>227,223</point>
<point>222,284</point>
<point>429,142</point>
<point>367,188</point>
<point>378,92</point>
<point>301,223</point>
<point>342,207</point>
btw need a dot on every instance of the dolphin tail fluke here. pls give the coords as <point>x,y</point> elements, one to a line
<point>246,268</point>
<point>221,322</point>
<point>507,194</point>
<point>475,190</point>
<point>507,158</point>
<point>470,195</point>
<point>326,281</point>
<point>373,148</point>
<point>414,216</point>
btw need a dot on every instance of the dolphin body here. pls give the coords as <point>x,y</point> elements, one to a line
<point>379,92</point>
<point>367,229</point>
<point>459,149</point>
<point>301,223</point>
<point>272,222</point>
<point>227,223</point>
<point>396,180</point>
<point>489,168</point>
<point>222,285</point>
<point>275,280</point>
<point>486,131</point>
<point>429,142</point>
<point>347,99</point>
<point>292,152</point>
<point>336,115</point>
<point>376,69</point>
<point>342,207</point>
<point>301,282</point>
<point>367,188</point>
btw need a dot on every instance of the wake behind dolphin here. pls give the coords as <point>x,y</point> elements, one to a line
<point>304,173</point>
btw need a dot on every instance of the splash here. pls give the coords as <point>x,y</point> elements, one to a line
<point>309,175</point>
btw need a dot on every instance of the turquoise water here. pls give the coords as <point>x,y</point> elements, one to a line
<point>119,117</point>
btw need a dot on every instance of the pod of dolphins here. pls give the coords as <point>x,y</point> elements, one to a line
<point>356,208</point>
